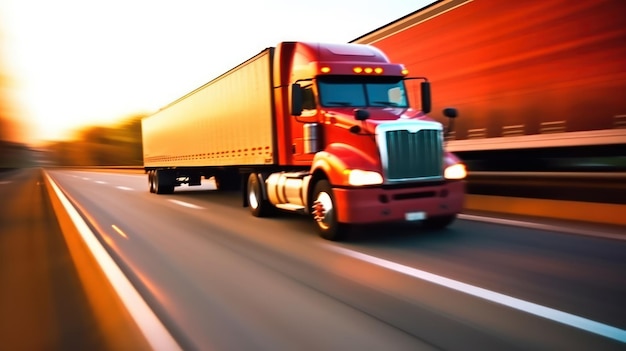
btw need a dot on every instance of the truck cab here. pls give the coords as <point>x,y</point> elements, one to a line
<point>358,152</point>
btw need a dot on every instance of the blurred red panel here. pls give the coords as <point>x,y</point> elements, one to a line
<point>504,63</point>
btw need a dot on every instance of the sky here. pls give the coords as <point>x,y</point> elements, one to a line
<point>73,63</point>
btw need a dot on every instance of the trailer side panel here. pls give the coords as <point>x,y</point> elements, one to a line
<point>228,121</point>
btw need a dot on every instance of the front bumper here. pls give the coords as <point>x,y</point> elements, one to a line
<point>372,205</point>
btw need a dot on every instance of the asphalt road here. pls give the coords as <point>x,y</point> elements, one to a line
<point>221,279</point>
<point>42,303</point>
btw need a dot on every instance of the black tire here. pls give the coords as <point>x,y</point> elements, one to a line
<point>259,207</point>
<point>164,181</point>
<point>151,181</point>
<point>440,222</point>
<point>324,212</point>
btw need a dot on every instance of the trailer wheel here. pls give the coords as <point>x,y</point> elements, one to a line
<point>151,181</point>
<point>163,181</point>
<point>440,222</point>
<point>325,214</point>
<point>259,207</point>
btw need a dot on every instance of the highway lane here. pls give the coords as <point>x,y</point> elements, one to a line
<point>221,278</point>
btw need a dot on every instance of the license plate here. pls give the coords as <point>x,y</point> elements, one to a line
<point>415,216</point>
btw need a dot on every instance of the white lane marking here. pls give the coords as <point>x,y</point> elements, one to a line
<point>152,328</point>
<point>548,227</point>
<point>124,188</point>
<point>186,204</point>
<point>512,302</point>
<point>85,178</point>
<point>5,182</point>
<point>101,182</point>
<point>119,231</point>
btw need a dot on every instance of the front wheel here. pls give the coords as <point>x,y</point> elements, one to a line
<point>324,212</point>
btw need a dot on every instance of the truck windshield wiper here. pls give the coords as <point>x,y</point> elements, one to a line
<point>338,103</point>
<point>385,103</point>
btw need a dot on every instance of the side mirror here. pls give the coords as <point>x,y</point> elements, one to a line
<point>361,115</point>
<point>450,112</point>
<point>426,100</point>
<point>296,99</point>
<point>355,129</point>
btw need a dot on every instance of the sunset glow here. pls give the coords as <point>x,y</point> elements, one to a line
<point>73,63</point>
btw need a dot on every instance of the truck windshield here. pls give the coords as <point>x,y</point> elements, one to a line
<point>362,92</point>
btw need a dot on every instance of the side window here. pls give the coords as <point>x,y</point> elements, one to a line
<point>308,98</point>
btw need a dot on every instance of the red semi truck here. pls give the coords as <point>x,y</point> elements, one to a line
<point>320,129</point>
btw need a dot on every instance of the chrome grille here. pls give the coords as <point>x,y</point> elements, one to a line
<point>408,155</point>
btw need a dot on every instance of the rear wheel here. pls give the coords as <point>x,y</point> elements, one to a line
<point>163,181</point>
<point>325,213</point>
<point>151,181</point>
<point>259,207</point>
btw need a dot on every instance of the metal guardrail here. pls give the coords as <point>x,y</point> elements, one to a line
<point>550,175</point>
<point>598,187</point>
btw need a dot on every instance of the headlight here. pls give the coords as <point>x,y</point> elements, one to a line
<point>456,171</point>
<point>358,177</point>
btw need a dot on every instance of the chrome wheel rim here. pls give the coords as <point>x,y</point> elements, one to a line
<point>323,210</point>
<point>252,198</point>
